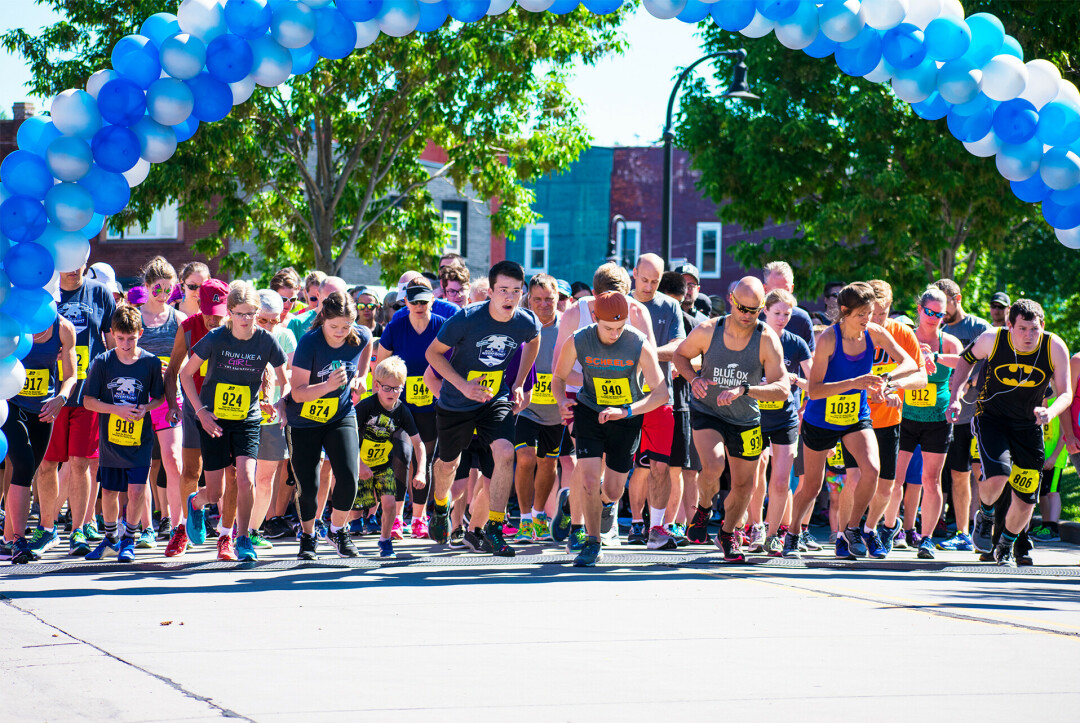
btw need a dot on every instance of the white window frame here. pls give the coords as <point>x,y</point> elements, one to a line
<point>620,242</point>
<point>529,268</point>
<point>702,229</point>
<point>158,230</point>
<point>455,244</point>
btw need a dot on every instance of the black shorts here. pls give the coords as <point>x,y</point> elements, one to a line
<point>744,442</point>
<point>116,479</point>
<point>1011,449</point>
<point>617,439</point>
<point>787,435</point>
<point>494,420</point>
<point>888,442</point>
<point>683,452</point>
<point>933,437</point>
<point>1051,478</point>
<point>476,456</point>
<point>566,446</point>
<point>426,426</point>
<point>546,439</point>
<point>820,439</point>
<point>963,451</point>
<point>238,439</point>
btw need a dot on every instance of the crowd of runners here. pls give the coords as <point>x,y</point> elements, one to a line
<point>488,413</point>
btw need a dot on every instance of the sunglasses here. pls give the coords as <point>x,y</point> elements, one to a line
<point>933,314</point>
<point>832,296</point>
<point>243,314</point>
<point>193,287</point>
<point>425,302</point>
<point>267,322</point>
<point>746,309</point>
<point>367,307</point>
<point>288,299</point>
<point>161,289</point>
<point>998,306</point>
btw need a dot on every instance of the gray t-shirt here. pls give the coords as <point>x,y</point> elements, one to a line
<point>234,372</point>
<point>483,347</point>
<point>666,325</point>
<point>543,409</point>
<point>967,330</point>
<point>125,444</point>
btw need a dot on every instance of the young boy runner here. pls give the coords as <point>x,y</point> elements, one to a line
<point>122,387</point>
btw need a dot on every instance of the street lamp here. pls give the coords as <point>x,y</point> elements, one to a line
<point>739,88</point>
<point>613,236</point>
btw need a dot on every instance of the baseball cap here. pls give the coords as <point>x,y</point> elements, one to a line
<point>688,269</point>
<point>137,295</point>
<point>1001,298</point>
<point>611,306</point>
<point>213,296</point>
<point>416,292</point>
<point>103,273</point>
<point>563,287</point>
<point>905,320</point>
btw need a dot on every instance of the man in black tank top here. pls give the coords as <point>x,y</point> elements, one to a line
<point>1020,363</point>
<point>724,406</point>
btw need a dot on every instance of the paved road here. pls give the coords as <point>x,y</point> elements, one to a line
<point>433,637</point>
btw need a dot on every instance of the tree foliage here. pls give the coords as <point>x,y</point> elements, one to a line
<point>328,165</point>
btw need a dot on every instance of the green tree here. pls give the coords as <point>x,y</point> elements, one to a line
<point>327,165</point>
<point>874,190</point>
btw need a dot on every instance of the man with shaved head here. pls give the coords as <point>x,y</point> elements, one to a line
<point>737,351</point>
<point>658,427</point>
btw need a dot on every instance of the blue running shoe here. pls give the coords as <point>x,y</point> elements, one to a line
<point>960,542</point>
<point>926,548</point>
<point>127,550</point>
<point>196,523</point>
<point>854,541</point>
<point>842,551</point>
<point>874,548</point>
<point>560,526</point>
<point>386,549</point>
<point>888,535</point>
<point>44,540</point>
<point>105,548</point>
<point>245,551</point>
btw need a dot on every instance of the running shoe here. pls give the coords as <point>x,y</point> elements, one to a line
<point>833,534</point>
<point>926,549</point>
<point>386,549</point>
<point>637,535</point>
<point>1003,555</point>
<point>591,553</point>
<point>803,547</point>
<point>474,541</point>
<point>900,540</point>
<point>1022,550</point>
<point>912,539</point>
<point>774,546</point>
<point>457,539</point>
<point>807,539</point>
<point>322,531</point>
<point>728,543</point>
<point>196,522</point>
<point>164,529</point>
<point>560,526</point>
<point>541,528</point>
<point>342,542</point>
<point>147,540</point>
<point>226,548</point>
<point>889,535</point>
<point>43,540</point>
<point>609,527</point>
<point>1044,533</point>
<point>960,542</point>
<point>22,553</point>
<point>78,546</point>
<point>524,532</point>
<point>127,550</point>
<point>493,534</point>
<point>258,541</point>
<point>874,548</point>
<point>982,532</point>
<point>791,545</point>
<point>276,527</point>
<point>397,531</point>
<point>509,530</point>
<point>178,544</point>
<point>678,533</point>
<point>842,550</point>
<point>439,528</point>
<point>855,543</point>
<point>576,540</point>
<point>245,550</point>
<point>7,550</point>
<point>419,528</point>
<point>659,539</point>
<point>698,531</point>
<point>357,528</point>
<point>757,538</point>
<point>307,547</point>
<point>91,532</point>
<point>105,548</point>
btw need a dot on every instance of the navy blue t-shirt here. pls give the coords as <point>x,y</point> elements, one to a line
<point>439,307</point>
<point>796,351</point>
<point>89,308</point>
<point>315,354</point>
<point>125,444</point>
<point>400,338</point>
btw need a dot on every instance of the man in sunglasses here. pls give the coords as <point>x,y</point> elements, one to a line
<point>999,306</point>
<point>439,307</point>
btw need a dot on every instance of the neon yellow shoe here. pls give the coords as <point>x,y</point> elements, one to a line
<point>541,529</point>
<point>525,532</point>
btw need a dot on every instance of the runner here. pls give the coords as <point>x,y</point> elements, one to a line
<point>312,293</point>
<point>228,414</point>
<point>565,297</point>
<point>1057,458</point>
<point>192,277</point>
<point>608,410</point>
<point>1021,361</point>
<point>454,282</point>
<point>735,350</point>
<point>477,396</point>
<point>779,275</point>
<point>999,307</point>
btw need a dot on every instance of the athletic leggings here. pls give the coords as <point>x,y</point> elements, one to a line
<point>342,446</point>
<point>27,438</point>
<point>402,462</point>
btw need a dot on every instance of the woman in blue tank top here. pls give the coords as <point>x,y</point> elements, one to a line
<point>839,382</point>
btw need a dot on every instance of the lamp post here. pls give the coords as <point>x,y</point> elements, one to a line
<point>739,88</point>
<point>613,238</point>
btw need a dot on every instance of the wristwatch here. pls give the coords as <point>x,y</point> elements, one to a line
<point>745,388</point>
<point>629,411</point>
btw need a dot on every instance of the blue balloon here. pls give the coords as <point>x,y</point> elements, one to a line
<point>947,38</point>
<point>169,101</point>
<point>432,16</point>
<point>69,206</point>
<point>116,148</point>
<point>187,129</point>
<point>29,265</point>
<point>229,58</point>
<point>136,58</point>
<point>35,134</point>
<point>1011,46</point>
<point>335,35</point>
<point>34,309</point>
<point>303,59</point>
<point>1015,121</point>
<point>822,47</point>
<point>694,12</point>
<point>1058,216</point>
<point>971,128</point>
<point>121,102</point>
<point>10,330</point>
<point>987,35</point>
<point>1060,169</point>
<point>733,15</point>
<point>292,24</point>
<point>958,81</point>
<point>777,9</point>
<point>213,99</point>
<point>858,60</point>
<point>1019,161</point>
<point>933,108</point>
<point>360,11</point>
<point>3,444</point>
<point>110,191</point>
<point>22,218</point>
<point>247,18</point>
<point>866,35</point>
<point>26,174</point>
<point>975,105</point>
<point>69,158</point>
<point>26,343</point>
<point>93,229</point>
<point>183,56</point>
<point>161,27</point>
<point>157,142</point>
<point>903,47</point>
<point>1033,190</point>
<point>1059,124</point>
<point>559,7</point>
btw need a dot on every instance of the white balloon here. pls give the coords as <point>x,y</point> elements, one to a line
<point>157,142</point>
<point>138,173</point>
<point>798,30</point>
<point>665,9</point>
<point>921,12</point>
<point>1019,162</point>
<point>985,147</point>
<point>1070,238</point>
<point>759,27</point>
<point>70,251</point>
<point>952,9</point>
<point>367,33</point>
<point>882,73</point>
<point>1042,85</point>
<point>536,6</point>
<point>1004,77</point>
<point>842,21</point>
<point>1060,169</point>
<point>205,19</point>
<point>53,287</point>
<point>12,374</point>
<point>183,56</point>
<point>1067,93</point>
<point>915,84</point>
<point>98,79</point>
<point>242,90</point>
<point>398,18</point>
<point>498,7</point>
<point>169,101</point>
<point>273,63</point>
<point>75,113</point>
<point>3,412</point>
<point>884,14</point>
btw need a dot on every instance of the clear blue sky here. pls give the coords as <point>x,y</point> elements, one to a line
<point>624,96</point>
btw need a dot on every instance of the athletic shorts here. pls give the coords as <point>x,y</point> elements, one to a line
<point>272,446</point>
<point>476,456</point>
<point>963,451</point>
<point>657,434</point>
<point>1048,483</point>
<point>744,442</point>
<point>888,442</point>
<point>369,492</point>
<point>933,437</point>
<point>566,446</point>
<point>545,439</point>
<point>1014,450</point>
<point>190,424</point>
<point>74,434</point>
<point>618,439</point>
<point>492,421</point>
<point>820,439</point>
<point>787,435</point>
<point>426,426</point>
<point>683,452</point>
<point>160,418</point>
<point>115,479</point>
<point>239,438</point>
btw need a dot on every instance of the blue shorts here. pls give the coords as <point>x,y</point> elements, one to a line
<point>115,479</point>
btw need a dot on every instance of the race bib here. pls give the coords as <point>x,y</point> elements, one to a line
<point>921,397</point>
<point>612,392</point>
<point>375,454</point>
<point>320,410</point>
<point>204,368</point>
<point>82,363</point>
<point>974,447</point>
<point>232,402</point>
<point>836,454</point>
<point>164,362</point>
<point>1048,434</point>
<point>36,384</point>
<point>417,393</point>
<point>368,391</point>
<point>125,433</point>
<point>770,406</point>
<point>751,441</point>
<point>842,409</point>
<point>542,391</point>
<point>491,380</point>
<point>1024,481</point>
<point>879,369</point>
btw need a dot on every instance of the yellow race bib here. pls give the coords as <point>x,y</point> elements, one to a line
<point>368,391</point>
<point>1048,437</point>
<point>879,369</point>
<point>842,409</point>
<point>491,380</point>
<point>836,454</point>
<point>375,454</point>
<point>921,397</point>
<point>417,393</point>
<point>542,391</point>
<point>82,363</point>
<point>204,368</point>
<point>751,441</point>
<point>612,392</point>
<point>320,410</point>
<point>770,406</point>
<point>975,448</point>
<point>164,362</point>
<point>232,402</point>
<point>1024,481</point>
<point>124,432</point>
<point>36,384</point>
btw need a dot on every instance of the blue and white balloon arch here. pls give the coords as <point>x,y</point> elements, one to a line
<point>78,167</point>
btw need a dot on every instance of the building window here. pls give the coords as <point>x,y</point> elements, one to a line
<point>454,218</point>
<point>708,249</point>
<point>164,226</point>
<point>628,244</point>
<point>536,249</point>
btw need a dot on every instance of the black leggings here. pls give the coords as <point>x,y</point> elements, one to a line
<point>403,459</point>
<point>342,447</point>
<point>27,438</point>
